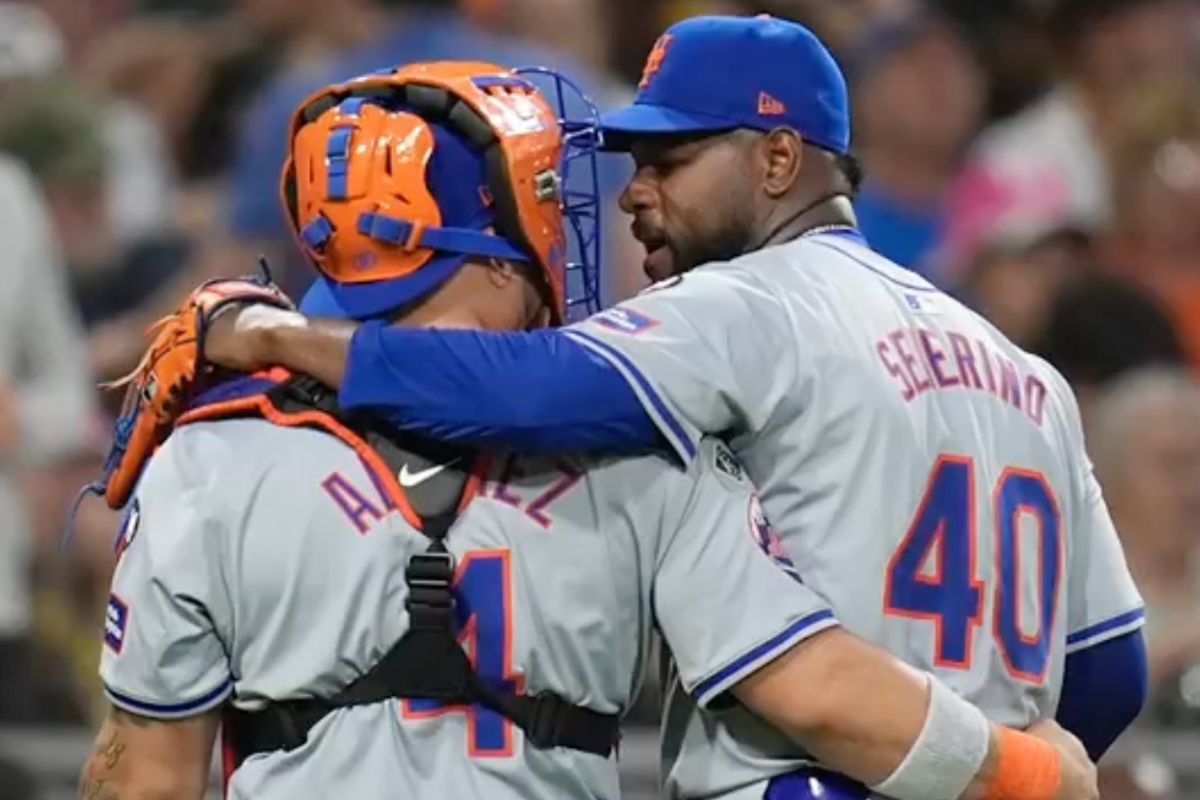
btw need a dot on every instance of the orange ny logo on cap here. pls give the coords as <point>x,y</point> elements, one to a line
<point>655,59</point>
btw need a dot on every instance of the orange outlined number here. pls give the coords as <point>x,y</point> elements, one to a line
<point>483,589</point>
<point>951,595</point>
<point>1024,493</point>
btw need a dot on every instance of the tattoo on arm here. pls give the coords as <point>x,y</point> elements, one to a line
<point>105,758</point>
<point>112,752</point>
<point>149,758</point>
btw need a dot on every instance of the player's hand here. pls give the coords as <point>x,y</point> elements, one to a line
<point>172,369</point>
<point>1078,772</point>
<point>1067,743</point>
<point>240,338</point>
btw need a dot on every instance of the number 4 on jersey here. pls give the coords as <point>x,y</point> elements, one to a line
<point>951,596</point>
<point>483,589</point>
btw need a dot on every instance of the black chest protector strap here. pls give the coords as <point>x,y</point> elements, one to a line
<point>427,663</point>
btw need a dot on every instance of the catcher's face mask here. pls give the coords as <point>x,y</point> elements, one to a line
<point>394,179</point>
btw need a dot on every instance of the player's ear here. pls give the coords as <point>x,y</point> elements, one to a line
<point>783,155</point>
<point>500,273</point>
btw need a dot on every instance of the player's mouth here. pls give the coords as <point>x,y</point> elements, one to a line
<point>660,262</point>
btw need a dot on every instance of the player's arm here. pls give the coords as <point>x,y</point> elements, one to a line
<point>1105,679</point>
<point>861,711</point>
<point>164,663</point>
<point>566,399</point>
<point>1103,691</point>
<point>140,758</point>
<point>1105,676</point>
<point>656,371</point>
<point>739,621</point>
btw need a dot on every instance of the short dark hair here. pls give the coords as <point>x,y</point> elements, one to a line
<point>852,171</point>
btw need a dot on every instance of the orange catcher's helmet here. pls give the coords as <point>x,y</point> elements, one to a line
<point>396,178</point>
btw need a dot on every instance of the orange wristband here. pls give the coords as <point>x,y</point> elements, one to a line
<point>1027,768</point>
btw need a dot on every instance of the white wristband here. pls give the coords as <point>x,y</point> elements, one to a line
<point>948,753</point>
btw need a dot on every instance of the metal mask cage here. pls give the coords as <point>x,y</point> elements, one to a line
<point>579,121</point>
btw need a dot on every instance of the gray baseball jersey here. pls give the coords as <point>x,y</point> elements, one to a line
<point>260,563</point>
<point>928,476</point>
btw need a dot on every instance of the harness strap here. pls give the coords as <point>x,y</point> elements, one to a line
<point>427,662</point>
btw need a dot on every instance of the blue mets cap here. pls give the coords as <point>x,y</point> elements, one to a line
<point>456,177</point>
<point>719,73</point>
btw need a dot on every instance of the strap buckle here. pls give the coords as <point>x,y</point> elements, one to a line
<point>431,569</point>
<point>430,602</point>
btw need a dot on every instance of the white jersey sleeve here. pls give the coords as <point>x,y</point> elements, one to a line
<point>701,351</point>
<point>1103,601</point>
<point>163,655</point>
<point>726,596</point>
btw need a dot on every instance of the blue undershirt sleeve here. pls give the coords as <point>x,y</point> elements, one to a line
<point>1104,688</point>
<point>531,392</point>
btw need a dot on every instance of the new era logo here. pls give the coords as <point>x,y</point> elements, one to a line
<point>768,106</point>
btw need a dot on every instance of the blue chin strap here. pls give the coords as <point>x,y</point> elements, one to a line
<point>579,121</point>
<point>396,231</point>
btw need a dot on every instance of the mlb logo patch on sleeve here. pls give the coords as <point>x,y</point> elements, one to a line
<point>625,320</point>
<point>116,617</point>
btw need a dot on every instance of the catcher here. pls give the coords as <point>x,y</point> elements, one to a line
<point>272,524</point>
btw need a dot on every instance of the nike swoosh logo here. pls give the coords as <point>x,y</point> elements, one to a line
<point>411,479</point>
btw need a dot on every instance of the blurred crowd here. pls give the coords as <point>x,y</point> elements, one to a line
<point>1038,158</point>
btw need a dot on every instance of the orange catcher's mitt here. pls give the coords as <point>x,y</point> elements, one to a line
<point>159,388</point>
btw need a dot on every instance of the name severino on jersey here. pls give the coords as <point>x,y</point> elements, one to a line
<point>921,359</point>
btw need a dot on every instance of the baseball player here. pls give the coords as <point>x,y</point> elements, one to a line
<point>929,477</point>
<point>301,570</point>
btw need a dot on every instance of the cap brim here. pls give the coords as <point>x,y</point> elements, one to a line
<point>361,301</point>
<point>644,119</point>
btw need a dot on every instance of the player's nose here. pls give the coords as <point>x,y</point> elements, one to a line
<point>639,194</point>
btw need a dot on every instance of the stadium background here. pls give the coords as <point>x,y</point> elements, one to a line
<point>1039,158</point>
